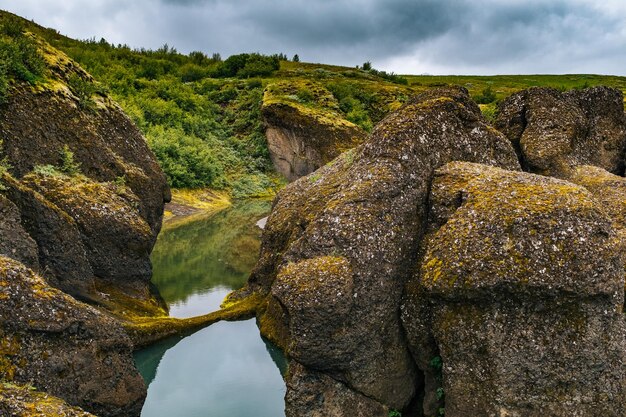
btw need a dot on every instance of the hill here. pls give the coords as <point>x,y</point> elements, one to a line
<point>202,115</point>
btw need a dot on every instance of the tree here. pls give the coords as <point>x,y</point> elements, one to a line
<point>366,66</point>
<point>296,58</point>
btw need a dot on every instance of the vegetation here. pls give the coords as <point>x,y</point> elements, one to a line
<point>436,365</point>
<point>19,56</point>
<point>201,113</point>
<point>68,165</point>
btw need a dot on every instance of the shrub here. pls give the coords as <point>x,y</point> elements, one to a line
<point>68,165</point>
<point>47,170</point>
<point>188,162</point>
<point>192,72</point>
<point>487,96</point>
<point>248,65</point>
<point>83,90</point>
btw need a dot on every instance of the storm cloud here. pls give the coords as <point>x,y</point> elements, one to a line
<point>404,36</point>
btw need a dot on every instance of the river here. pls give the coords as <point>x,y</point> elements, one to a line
<point>227,369</point>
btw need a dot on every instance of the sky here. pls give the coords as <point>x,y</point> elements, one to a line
<point>402,36</point>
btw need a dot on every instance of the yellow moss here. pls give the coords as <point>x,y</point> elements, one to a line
<point>147,330</point>
<point>195,204</point>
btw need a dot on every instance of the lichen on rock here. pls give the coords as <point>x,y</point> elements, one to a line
<point>63,347</point>
<point>355,224</point>
<point>554,131</point>
<point>520,290</point>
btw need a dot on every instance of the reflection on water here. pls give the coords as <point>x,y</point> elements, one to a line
<point>223,371</point>
<point>197,263</point>
<point>226,369</point>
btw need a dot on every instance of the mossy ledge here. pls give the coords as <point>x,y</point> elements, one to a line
<point>144,330</point>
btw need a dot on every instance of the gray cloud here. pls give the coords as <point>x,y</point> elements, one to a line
<point>454,36</point>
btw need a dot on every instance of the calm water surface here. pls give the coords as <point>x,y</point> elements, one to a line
<point>227,369</point>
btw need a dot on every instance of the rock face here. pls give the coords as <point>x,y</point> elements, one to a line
<point>21,401</point>
<point>524,311</point>
<point>301,138</point>
<point>114,205</point>
<point>424,272</point>
<point>339,245</point>
<point>81,198</point>
<point>553,131</point>
<point>64,347</point>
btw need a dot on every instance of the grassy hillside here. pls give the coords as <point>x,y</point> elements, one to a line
<point>201,114</point>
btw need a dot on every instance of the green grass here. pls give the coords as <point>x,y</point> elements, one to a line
<point>505,85</point>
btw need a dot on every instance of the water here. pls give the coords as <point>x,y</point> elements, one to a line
<point>197,263</point>
<point>226,369</point>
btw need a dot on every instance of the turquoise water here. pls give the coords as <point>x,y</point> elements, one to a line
<point>226,369</point>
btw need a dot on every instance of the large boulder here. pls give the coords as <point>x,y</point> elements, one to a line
<point>64,347</point>
<point>301,138</point>
<point>95,207</point>
<point>62,257</point>
<point>519,296</point>
<point>554,131</point>
<point>340,245</point>
<point>117,239</point>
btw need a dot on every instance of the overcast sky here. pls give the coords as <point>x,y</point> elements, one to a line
<point>404,36</point>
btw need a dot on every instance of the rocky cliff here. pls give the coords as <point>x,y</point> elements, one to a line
<point>81,198</point>
<point>304,131</point>
<point>425,272</point>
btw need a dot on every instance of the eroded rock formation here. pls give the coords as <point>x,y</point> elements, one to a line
<point>554,131</point>
<point>64,347</point>
<point>81,198</point>
<point>520,291</point>
<point>423,271</point>
<point>339,245</point>
<point>303,138</point>
<point>115,203</point>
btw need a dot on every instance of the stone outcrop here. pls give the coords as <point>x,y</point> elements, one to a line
<point>115,203</point>
<point>64,347</point>
<point>81,198</point>
<point>26,401</point>
<point>339,245</point>
<point>554,131</point>
<point>303,138</point>
<point>425,272</point>
<point>520,293</point>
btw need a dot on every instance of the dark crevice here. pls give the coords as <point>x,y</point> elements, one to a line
<point>517,144</point>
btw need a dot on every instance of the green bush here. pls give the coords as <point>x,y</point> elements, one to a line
<point>487,96</point>
<point>83,90</point>
<point>68,165</point>
<point>248,65</point>
<point>188,161</point>
<point>192,72</point>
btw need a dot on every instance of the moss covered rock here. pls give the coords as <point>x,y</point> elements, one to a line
<point>343,239</point>
<point>96,207</point>
<point>520,293</point>
<point>117,239</point>
<point>304,127</point>
<point>26,401</point>
<point>554,131</point>
<point>61,255</point>
<point>63,347</point>
<point>15,242</point>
